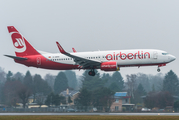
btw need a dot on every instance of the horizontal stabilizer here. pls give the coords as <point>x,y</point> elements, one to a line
<point>17,58</point>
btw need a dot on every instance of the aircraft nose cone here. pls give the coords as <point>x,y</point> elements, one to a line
<point>172,58</point>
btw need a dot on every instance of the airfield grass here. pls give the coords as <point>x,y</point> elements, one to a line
<point>89,117</point>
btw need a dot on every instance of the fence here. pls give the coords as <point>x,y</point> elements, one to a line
<point>63,109</point>
<point>57,109</point>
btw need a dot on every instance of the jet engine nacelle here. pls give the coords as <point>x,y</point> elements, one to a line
<point>109,66</point>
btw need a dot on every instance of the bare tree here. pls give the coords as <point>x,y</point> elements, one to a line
<point>156,81</point>
<point>131,84</point>
<point>24,93</point>
<point>144,80</point>
<point>40,99</point>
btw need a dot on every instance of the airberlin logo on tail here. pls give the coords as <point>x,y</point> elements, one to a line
<point>18,41</point>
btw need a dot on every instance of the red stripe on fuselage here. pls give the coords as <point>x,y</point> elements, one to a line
<point>33,61</point>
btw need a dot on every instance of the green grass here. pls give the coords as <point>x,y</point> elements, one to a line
<point>89,117</point>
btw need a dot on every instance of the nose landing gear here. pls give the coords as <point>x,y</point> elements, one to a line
<point>158,69</point>
<point>160,65</point>
<point>91,72</point>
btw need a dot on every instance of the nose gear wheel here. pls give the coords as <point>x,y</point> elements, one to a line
<point>158,69</point>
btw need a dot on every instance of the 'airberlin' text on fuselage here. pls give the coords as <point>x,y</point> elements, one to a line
<point>130,56</point>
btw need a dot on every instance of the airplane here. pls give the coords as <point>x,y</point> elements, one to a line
<point>111,60</point>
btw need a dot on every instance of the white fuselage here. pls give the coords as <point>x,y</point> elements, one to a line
<point>124,58</point>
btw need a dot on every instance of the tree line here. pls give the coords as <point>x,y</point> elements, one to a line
<point>17,88</point>
<point>94,91</point>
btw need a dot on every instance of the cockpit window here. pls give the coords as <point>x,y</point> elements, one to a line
<point>165,53</point>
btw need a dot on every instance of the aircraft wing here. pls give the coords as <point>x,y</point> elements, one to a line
<point>83,62</point>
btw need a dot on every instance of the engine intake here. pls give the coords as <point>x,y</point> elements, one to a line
<point>109,66</point>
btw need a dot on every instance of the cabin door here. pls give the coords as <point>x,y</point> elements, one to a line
<point>155,55</point>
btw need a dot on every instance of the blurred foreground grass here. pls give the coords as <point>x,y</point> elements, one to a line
<point>89,117</point>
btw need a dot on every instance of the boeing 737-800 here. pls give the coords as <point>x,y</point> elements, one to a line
<point>104,60</point>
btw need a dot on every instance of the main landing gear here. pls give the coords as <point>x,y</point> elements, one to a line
<point>91,72</point>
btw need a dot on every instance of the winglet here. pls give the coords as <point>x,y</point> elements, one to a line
<point>74,50</point>
<point>60,48</point>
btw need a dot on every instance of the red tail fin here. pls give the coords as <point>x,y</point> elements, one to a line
<point>21,45</point>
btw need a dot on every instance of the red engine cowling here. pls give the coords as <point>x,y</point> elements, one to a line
<point>109,66</point>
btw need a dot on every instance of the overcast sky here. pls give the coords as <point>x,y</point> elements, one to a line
<point>90,25</point>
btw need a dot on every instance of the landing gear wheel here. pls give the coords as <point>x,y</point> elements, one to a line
<point>158,69</point>
<point>91,73</point>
